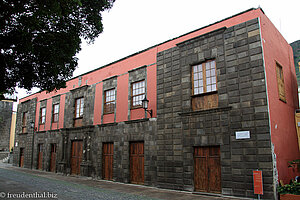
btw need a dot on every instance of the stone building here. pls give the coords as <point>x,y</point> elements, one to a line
<point>7,124</point>
<point>296,51</point>
<point>221,104</point>
<point>6,108</point>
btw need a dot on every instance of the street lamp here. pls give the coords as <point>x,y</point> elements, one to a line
<point>145,103</point>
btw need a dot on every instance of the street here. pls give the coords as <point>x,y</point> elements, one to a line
<point>20,183</point>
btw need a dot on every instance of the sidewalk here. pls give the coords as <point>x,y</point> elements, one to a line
<point>119,187</point>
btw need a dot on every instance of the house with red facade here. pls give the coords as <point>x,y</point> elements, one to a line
<point>221,103</point>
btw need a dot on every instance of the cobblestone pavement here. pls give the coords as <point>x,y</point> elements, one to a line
<point>19,181</point>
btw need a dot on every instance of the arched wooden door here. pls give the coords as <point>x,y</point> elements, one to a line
<point>76,157</point>
<point>207,169</point>
<point>137,162</point>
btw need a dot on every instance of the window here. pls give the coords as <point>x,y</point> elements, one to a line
<point>24,122</point>
<point>79,107</point>
<point>204,78</point>
<point>204,86</point>
<point>109,101</point>
<point>137,94</point>
<point>280,82</point>
<point>43,116</point>
<point>55,112</point>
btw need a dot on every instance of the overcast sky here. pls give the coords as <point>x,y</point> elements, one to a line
<point>134,25</point>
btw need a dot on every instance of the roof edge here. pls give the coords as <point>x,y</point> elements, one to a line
<point>144,50</point>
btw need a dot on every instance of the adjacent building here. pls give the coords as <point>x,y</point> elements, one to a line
<point>222,103</point>
<point>7,124</point>
<point>296,51</point>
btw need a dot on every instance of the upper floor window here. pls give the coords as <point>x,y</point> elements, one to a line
<point>280,82</point>
<point>204,78</point>
<point>43,116</point>
<point>109,101</point>
<point>137,94</point>
<point>24,122</point>
<point>204,86</point>
<point>55,112</point>
<point>79,107</point>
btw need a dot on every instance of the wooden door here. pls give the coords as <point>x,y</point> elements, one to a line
<point>40,156</point>
<point>53,158</point>
<point>137,162</point>
<point>76,157</point>
<point>207,169</point>
<point>21,164</point>
<point>107,161</point>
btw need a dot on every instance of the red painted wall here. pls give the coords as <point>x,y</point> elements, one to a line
<point>98,103</point>
<point>282,118</point>
<point>122,105</point>
<point>61,110</point>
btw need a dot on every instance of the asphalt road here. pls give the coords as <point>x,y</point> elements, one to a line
<point>20,183</point>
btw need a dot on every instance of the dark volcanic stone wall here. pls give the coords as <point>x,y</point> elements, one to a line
<point>6,109</point>
<point>24,140</point>
<point>242,105</point>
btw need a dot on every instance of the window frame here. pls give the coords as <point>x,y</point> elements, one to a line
<point>204,79</point>
<point>280,82</point>
<point>55,115</point>
<point>24,122</point>
<point>109,106</point>
<point>43,117</point>
<point>81,108</point>
<point>137,95</point>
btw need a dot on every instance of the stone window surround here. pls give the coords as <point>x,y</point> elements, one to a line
<point>135,75</point>
<point>80,109</point>
<point>24,122</point>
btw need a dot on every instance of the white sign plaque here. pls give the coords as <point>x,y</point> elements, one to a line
<point>242,135</point>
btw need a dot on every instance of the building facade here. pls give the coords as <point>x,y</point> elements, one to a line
<point>6,109</point>
<point>222,97</point>
<point>296,51</point>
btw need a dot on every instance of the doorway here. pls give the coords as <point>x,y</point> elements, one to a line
<point>107,161</point>
<point>137,162</point>
<point>40,157</point>
<point>53,158</point>
<point>76,157</point>
<point>21,163</point>
<point>207,169</point>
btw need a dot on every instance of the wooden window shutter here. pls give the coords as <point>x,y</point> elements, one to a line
<point>280,82</point>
